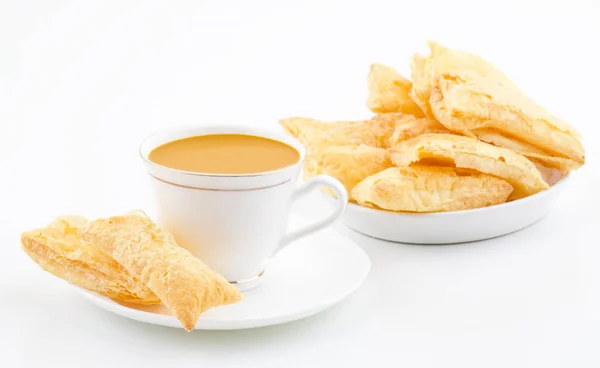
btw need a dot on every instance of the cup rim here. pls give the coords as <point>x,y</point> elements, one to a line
<point>246,131</point>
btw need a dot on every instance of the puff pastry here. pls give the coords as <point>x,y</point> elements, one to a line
<point>58,249</point>
<point>420,91</point>
<point>535,154</point>
<point>470,96</point>
<point>469,153</point>
<point>315,134</point>
<point>348,164</point>
<point>183,283</point>
<point>430,189</point>
<point>408,126</point>
<point>390,92</point>
<point>425,69</point>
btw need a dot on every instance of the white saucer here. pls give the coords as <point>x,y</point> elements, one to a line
<point>307,277</point>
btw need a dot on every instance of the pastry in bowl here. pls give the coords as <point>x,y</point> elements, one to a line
<point>348,164</point>
<point>458,153</point>
<point>407,126</point>
<point>469,153</point>
<point>389,92</point>
<point>430,189</point>
<point>470,96</point>
<point>452,226</point>
<point>315,134</point>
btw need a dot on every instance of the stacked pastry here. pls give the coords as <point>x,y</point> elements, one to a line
<point>460,135</point>
<point>128,258</point>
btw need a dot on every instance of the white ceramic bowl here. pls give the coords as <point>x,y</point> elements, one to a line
<point>452,227</point>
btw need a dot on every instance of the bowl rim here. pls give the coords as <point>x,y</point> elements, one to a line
<point>518,202</point>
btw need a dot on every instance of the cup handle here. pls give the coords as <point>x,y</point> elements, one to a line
<point>315,183</point>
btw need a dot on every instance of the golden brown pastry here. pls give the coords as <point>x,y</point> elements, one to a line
<point>390,92</point>
<point>408,126</point>
<point>535,154</point>
<point>469,153</point>
<point>430,189</point>
<point>425,70</point>
<point>470,96</point>
<point>58,249</point>
<point>348,164</point>
<point>421,90</point>
<point>315,134</point>
<point>507,120</point>
<point>183,283</point>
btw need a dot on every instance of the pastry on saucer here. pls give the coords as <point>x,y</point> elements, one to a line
<point>183,283</point>
<point>58,249</point>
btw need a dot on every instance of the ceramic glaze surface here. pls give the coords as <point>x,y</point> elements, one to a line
<point>452,227</point>
<point>234,223</point>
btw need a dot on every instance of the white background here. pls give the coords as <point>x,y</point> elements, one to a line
<point>82,82</point>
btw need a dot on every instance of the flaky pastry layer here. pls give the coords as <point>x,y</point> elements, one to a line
<point>425,70</point>
<point>469,153</point>
<point>430,189</point>
<point>183,283</point>
<point>58,249</point>
<point>390,92</point>
<point>408,126</point>
<point>470,96</point>
<point>348,164</point>
<point>315,134</point>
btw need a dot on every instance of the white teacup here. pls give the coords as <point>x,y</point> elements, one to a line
<point>233,223</point>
